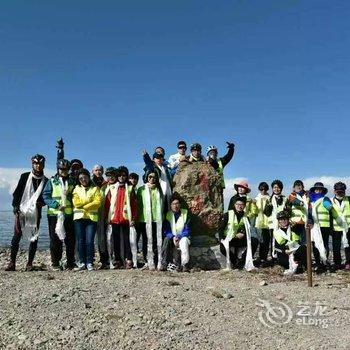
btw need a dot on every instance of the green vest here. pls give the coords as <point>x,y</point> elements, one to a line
<point>57,196</point>
<point>220,170</point>
<point>233,225</point>
<point>262,220</point>
<point>281,240</point>
<point>141,200</point>
<point>299,213</point>
<point>343,212</point>
<point>125,210</point>
<point>272,220</point>
<point>322,214</point>
<point>180,223</point>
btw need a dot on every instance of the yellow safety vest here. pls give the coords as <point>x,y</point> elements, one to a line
<point>343,211</point>
<point>233,224</point>
<point>57,196</point>
<point>220,170</point>
<point>281,240</point>
<point>272,220</point>
<point>262,221</point>
<point>322,214</point>
<point>299,213</point>
<point>180,223</point>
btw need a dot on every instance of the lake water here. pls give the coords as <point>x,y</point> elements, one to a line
<point>6,231</point>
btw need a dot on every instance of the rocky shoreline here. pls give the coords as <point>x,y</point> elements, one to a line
<point>122,309</point>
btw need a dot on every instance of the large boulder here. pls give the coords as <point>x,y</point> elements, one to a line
<point>198,185</point>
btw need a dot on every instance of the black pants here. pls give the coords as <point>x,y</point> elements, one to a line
<point>239,243</point>
<point>56,245</point>
<point>325,232</point>
<point>168,252</point>
<point>336,242</point>
<point>265,244</point>
<point>17,235</point>
<point>299,229</point>
<point>121,242</point>
<point>142,228</point>
<point>299,257</point>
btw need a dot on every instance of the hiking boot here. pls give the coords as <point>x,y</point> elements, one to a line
<point>104,267</point>
<point>347,267</point>
<point>56,267</point>
<point>30,267</point>
<point>10,267</point>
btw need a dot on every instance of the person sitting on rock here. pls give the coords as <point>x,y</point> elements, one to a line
<point>150,219</point>
<point>27,203</point>
<point>290,253</point>
<point>235,237</point>
<point>219,163</point>
<point>176,228</point>
<point>251,210</point>
<point>175,159</point>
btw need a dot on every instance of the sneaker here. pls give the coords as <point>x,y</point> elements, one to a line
<point>111,266</point>
<point>90,267</point>
<point>347,267</point>
<point>55,267</point>
<point>80,267</point>
<point>10,267</point>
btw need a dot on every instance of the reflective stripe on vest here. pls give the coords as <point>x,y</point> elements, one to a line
<point>57,196</point>
<point>262,220</point>
<point>282,240</point>
<point>220,170</point>
<point>322,213</point>
<point>125,209</point>
<point>180,223</point>
<point>299,212</point>
<point>343,211</point>
<point>272,220</point>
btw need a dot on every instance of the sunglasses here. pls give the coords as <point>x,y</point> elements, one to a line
<point>182,147</point>
<point>151,177</point>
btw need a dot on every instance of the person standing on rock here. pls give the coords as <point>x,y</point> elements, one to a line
<point>175,159</point>
<point>177,230</point>
<point>150,218</point>
<point>27,203</point>
<point>121,212</point>
<point>86,202</point>
<point>291,254</point>
<point>219,163</point>
<point>57,195</point>
<point>196,154</point>
<point>236,242</point>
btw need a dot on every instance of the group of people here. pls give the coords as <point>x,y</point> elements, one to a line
<point>82,206</point>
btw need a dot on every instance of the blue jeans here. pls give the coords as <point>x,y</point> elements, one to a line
<point>85,230</point>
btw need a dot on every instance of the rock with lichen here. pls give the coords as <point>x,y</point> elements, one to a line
<point>198,186</point>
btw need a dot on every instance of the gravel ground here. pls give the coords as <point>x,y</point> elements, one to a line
<point>122,309</point>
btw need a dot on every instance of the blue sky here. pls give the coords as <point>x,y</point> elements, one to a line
<point>113,78</point>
